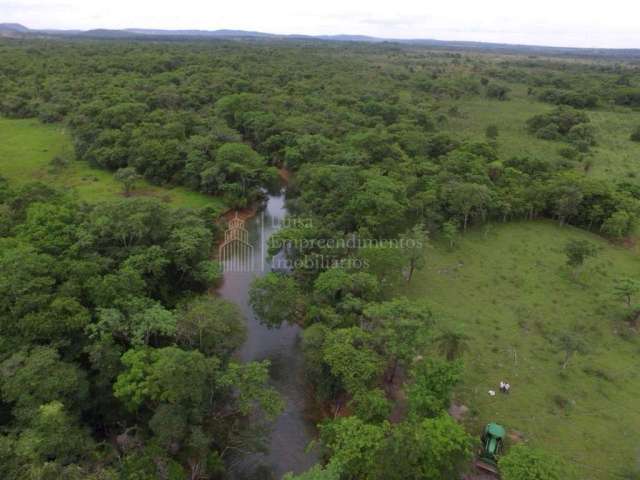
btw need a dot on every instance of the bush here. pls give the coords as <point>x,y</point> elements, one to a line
<point>492,132</point>
<point>570,153</point>
<point>635,136</point>
<point>549,132</point>
<point>569,97</point>
<point>526,463</point>
<point>628,96</point>
<point>582,133</point>
<point>58,163</point>
<point>564,122</point>
<point>498,92</point>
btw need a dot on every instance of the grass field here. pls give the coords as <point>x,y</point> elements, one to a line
<point>27,147</point>
<point>615,156</point>
<point>507,287</point>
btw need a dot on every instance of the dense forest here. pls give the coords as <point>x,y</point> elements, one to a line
<point>115,362</point>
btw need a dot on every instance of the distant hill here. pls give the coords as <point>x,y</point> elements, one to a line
<point>199,33</point>
<point>16,30</point>
<point>102,33</point>
<point>15,27</point>
<point>13,30</point>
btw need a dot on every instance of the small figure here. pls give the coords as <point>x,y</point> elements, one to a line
<point>492,393</point>
<point>502,384</point>
<point>507,387</point>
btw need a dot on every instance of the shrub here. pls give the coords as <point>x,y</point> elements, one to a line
<point>635,136</point>
<point>569,97</point>
<point>570,153</point>
<point>498,92</point>
<point>582,133</point>
<point>628,96</point>
<point>526,463</point>
<point>492,132</point>
<point>549,132</point>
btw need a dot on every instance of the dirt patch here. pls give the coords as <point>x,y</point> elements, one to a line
<point>479,476</point>
<point>243,214</point>
<point>284,175</point>
<point>458,412</point>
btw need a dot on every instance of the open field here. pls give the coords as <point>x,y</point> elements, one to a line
<point>27,147</point>
<point>615,156</point>
<point>507,287</point>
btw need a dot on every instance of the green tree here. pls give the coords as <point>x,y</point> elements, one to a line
<point>450,232</point>
<point>619,224</point>
<point>211,325</point>
<point>331,471</point>
<point>128,177</point>
<point>498,92</point>
<point>626,289</point>
<point>385,262</point>
<point>414,243</point>
<point>570,343</point>
<point>275,299</point>
<point>578,251</point>
<point>31,378</point>
<point>372,406</point>
<point>468,199</point>
<point>53,435</point>
<point>430,448</point>
<point>169,375</point>
<point>452,343</point>
<point>399,329</point>
<point>379,205</point>
<point>349,353</point>
<point>354,445</point>
<point>430,389</point>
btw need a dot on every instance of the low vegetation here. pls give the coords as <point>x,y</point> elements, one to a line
<point>32,151</point>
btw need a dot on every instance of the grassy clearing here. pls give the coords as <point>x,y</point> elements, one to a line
<point>507,287</point>
<point>615,156</point>
<point>27,147</point>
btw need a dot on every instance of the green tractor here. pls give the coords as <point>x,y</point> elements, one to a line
<point>492,443</point>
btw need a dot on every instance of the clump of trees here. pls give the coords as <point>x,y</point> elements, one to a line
<point>564,123</point>
<point>111,349</point>
<point>575,99</point>
<point>498,91</point>
<point>627,96</point>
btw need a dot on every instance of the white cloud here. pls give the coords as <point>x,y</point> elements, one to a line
<point>544,22</point>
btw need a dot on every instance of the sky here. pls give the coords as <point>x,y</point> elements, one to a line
<point>571,23</point>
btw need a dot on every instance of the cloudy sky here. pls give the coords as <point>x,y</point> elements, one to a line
<point>580,23</point>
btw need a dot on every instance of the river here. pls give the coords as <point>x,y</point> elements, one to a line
<point>291,431</point>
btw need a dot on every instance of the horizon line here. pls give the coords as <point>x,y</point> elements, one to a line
<point>252,32</point>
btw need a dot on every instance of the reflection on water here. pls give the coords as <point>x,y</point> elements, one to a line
<point>291,432</point>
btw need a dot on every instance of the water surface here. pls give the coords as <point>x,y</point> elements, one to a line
<point>291,431</point>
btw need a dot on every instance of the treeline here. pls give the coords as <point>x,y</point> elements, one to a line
<point>113,362</point>
<point>219,117</point>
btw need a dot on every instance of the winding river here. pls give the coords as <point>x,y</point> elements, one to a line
<point>291,431</point>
